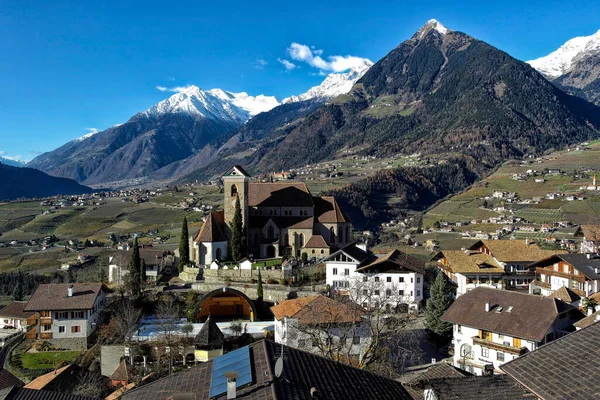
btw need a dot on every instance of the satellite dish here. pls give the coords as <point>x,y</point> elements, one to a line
<point>278,367</point>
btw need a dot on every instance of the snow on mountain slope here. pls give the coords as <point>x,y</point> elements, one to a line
<point>333,85</point>
<point>214,104</point>
<point>560,61</point>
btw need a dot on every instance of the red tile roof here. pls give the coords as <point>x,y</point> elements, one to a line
<point>212,230</point>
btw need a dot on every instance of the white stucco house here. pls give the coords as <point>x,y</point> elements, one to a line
<point>492,327</point>
<point>391,281</point>
<point>66,314</point>
<point>14,316</point>
<point>157,261</point>
<point>323,326</point>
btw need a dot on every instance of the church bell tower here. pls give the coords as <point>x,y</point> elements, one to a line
<point>235,189</point>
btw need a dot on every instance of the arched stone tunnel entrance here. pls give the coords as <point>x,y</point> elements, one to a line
<point>225,304</point>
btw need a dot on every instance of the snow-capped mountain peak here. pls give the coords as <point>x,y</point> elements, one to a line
<point>214,104</point>
<point>432,24</point>
<point>560,61</point>
<point>334,85</point>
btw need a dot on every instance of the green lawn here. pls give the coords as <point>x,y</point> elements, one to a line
<point>48,359</point>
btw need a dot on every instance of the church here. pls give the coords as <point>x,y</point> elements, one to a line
<point>280,219</point>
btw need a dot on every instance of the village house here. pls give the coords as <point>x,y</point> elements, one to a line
<point>66,314</point>
<point>394,280</point>
<point>156,261</point>
<point>515,257</point>
<point>492,327</point>
<point>469,269</point>
<point>578,272</point>
<point>280,219</point>
<point>591,238</point>
<point>14,316</point>
<point>318,323</point>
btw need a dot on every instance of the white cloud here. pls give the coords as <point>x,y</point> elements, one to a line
<point>176,89</point>
<point>288,65</point>
<point>260,63</point>
<point>312,56</point>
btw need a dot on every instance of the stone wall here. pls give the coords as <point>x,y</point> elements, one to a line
<point>233,275</point>
<point>270,292</point>
<point>79,343</point>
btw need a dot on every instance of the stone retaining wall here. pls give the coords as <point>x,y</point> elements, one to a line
<point>270,292</point>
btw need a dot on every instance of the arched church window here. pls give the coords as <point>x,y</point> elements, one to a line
<point>348,238</point>
<point>234,191</point>
<point>332,235</point>
<point>301,240</point>
<point>270,232</point>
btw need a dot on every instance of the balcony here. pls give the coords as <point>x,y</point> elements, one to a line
<point>543,285</point>
<point>45,320</point>
<point>45,335</point>
<point>551,272</point>
<point>499,347</point>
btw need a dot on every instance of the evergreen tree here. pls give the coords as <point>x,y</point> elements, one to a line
<point>259,288</point>
<point>103,277</point>
<point>134,269</point>
<point>237,233</point>
<point>442,296</point>
<point>143,276</point>
<point>184,246</point>
<point>18,293</point>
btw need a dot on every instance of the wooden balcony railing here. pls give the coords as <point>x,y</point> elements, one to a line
<point>45,335</point>
<point>543,284</point>
<point>499,347</point>
<point>45,320</point>
<point>551,272</point>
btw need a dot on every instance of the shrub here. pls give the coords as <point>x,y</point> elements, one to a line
<point>271,281</point>
<point>282,281</point>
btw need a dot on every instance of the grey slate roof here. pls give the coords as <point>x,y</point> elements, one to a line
<point>302,371</point>
<point>496,387</point>
<point>53,297</point>
<point>8,380</point>
<point>18,393</point>
<point>584,265</point>
<point>566,368</point>
<point>210,336</point>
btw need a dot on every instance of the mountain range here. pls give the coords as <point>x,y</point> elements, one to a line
<point>441,92</point>
<point>574,67</point>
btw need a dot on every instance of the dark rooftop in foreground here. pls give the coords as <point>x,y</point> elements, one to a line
<point>301,372</point>
<point>496,387</point>
<point>566,368</point>
<point>53,296</point>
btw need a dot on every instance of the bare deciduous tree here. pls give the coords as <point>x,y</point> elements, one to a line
<point>167,318</point>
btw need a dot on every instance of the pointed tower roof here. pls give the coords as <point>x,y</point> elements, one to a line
<point>121,373</point>
<point>210,336</point>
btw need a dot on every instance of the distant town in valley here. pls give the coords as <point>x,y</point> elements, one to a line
<point>423,227</point>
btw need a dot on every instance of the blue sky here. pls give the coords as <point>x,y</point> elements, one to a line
<point>69,66</point>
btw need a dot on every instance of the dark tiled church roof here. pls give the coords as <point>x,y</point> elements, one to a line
<point>327,210</point>
<point>212,230</point>
<point>289,194</point>
<point>210,336</point>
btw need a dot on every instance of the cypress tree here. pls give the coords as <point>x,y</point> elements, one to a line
<point>143,276</point>
<point>442,296</point>
<point>134,269</point>
<point>237,233</point>
<point>18,293</point>
<point>184,246</point>
<point>259,288</point>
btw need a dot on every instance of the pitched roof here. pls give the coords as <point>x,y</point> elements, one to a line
<point>285,194</point>
<point>16,310</point>
<point>469,310</point>
<point>495,387</point>
<point>19,393</point>
<point>301,372</point>
<point>565,294</point>
<point>442,370</point>
<point>355,252</point>
<point>566,368</point>
<point>149,255</point>
<point>213,229</point>
<point>8,380</point>
<point>314,310</point>
<point>53,296</point>
<point>316,242</point>
<point>395,261</point>
<point>327,210</point>
<point>283,222</point>
<point>42,381</point>
<point>210,336</point>
<point>587,321</point>
<point>121,373</point>
<point>516,250</point>
<point>237,170</point>
<point>471,262</point>
<point>584,265</point>
<point>591,232</point>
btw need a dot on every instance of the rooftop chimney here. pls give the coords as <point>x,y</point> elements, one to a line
<point>70,291</point>
<point>487,306</point>
<point>589,256</point>
<point>231,384</point>
<point>527,241</point>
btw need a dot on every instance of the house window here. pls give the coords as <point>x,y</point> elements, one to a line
<point>388,292</point>
<point>76,329</point>
<point>401,280</point>
<point>45,314</point>
<point>77,314</point>
<point>346,271</point>
<point>356,340</point>
<point>411,280</point>
<point>485,335</point>
<point>46,328</point>
<point>401,292</point>
<point>485,352</point>
<point>459,328</point>
<point>418,279</point>
<point>418,293</point>
<point>365,278</point>
<point>313,251</point>
<point>61,329</point>
<point>335,271</point>
<point>389,279</point>
<point>377,293</point>
<point>500,336</point>
<point>500,356</point>
<point>376,279</point>
<point>365,292</point>
<point>62,315</point>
